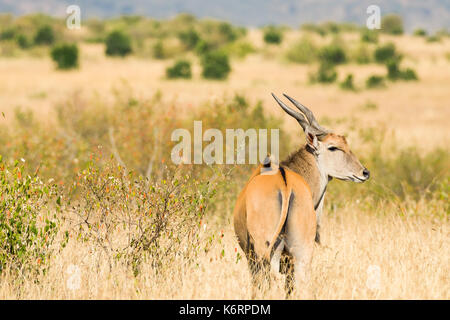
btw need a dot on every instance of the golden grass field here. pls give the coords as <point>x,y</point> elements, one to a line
<point>412,255</point>
<point>410,246</point>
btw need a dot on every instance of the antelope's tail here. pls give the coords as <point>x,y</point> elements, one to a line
<point>285,195</point>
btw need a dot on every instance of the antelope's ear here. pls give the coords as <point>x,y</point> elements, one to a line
<point>311,139</point>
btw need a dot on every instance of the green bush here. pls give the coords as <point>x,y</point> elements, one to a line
<point>26,229</point>
<point>202,47</point>
<point>8,34</point>
<point>273,35</point>
<point>22,41</point>
<point>408,74</point>
<point>385,53</point>
<point>227,31</point>
<point>326,73</point>
<point>65,56</point>
<point>392,24</point>
<point>44,36</point>
<point>215,65</point>
<point>393,69</point>
<point>347,84</point>
<point>181,69</point>
<point>303,51</point>
<point>332,27</point>
<point>311,27</point>
<point>420,32</point>
<point>118,44</point>
<point>240,48</point>
<point>375,82</point>
<point>370,36</point>
<point>395,73</point>
<point>158,50</point>
<point>433,38</point>
<point>189,38</point>
<point>332,54</point>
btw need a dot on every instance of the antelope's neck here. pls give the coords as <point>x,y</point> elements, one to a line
<point>304,163</point>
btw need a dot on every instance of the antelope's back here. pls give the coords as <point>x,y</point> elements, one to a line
<point>258,208</point>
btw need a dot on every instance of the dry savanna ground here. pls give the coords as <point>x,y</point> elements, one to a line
<point>392,250</point>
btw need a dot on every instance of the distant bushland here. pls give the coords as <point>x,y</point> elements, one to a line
<point>118,44</point>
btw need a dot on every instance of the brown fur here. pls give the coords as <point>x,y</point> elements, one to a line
<point>259,218</point>
<point>302,162</point>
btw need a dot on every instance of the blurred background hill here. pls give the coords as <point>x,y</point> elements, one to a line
<point>430,15</point>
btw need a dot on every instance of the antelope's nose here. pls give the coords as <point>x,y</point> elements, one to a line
<point>366,173</point>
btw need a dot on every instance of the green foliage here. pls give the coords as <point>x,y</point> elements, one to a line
<point>433,38</point>
<point>332,54</point>
<point>27,231</point>
<point>118,44</point>
<point>203,47</point>
<point>65,56</point>
<point>329,27</point>
<point>395,73</point>
<point>392,24</point>
<point>332,27</point>
<point>375,81</point>
<point>239,49</point>
<point>303,51</point>
<point>393,69</point>
<point>311,27</point>
<point>181,69</point>
<point>385,53</point>
<point>348,84</point>
<point>215,65</point>
<point>8,34</point>
<point>22,41</point>
<point>189,38</point>
<point>228,31</point>
<point>408,74</point>
<point>44,36</point>
<point>370,36</point>
<point>326,73</point>
<point>158,50</point>
<point>420,32</point>
<point>273,35</point>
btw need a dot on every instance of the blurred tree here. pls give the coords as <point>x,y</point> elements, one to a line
<point>118,44</point>
<point>215,65</point>
<point>65,56</point>
<point>392,24</point>
<point>44,36</point>
<point>273,35</point>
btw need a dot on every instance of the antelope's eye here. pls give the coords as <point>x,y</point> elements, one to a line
<point>332,148</point>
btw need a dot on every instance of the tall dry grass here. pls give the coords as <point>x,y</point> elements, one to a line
<point>411,252</point>
<point>396,223</point>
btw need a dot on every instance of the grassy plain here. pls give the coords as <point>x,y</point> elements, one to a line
<point>404,233</point>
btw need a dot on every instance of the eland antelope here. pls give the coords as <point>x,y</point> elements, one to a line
<point>277,214</point>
